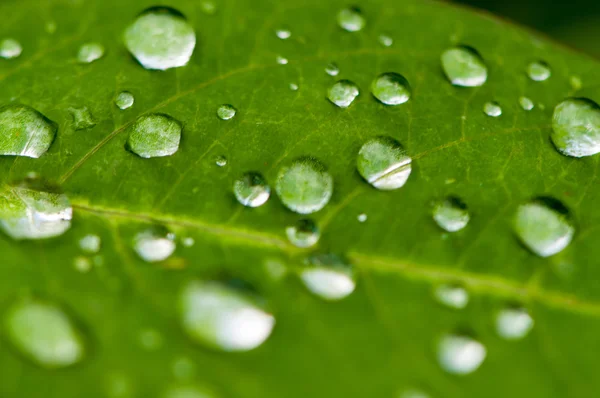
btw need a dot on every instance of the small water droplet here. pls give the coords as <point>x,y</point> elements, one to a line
<point>328,276</point>
<point>224,316</point>
<point>82,118</point>
<point>452,296</point>
<point>44,333</point>
<point>332,69</point>
<point>575,82</point>
<point>124,100</point>
<point>538,71</point>
<point>221,161</point>
<point>251,189</point>
<point>154,244</point>
<point>226,112</point>
<point>391,89</point>
<point>188,241</point>
<point>492,109</point>
<point>362,217</point>
<point>82,264</point>
<point>460,354</point>
<point>90,52</point>
<point>351,19</point>
<point>513,323</point>
<point>576,127</point>
<point>208,7</point>
<point>384,163</point>
<point>150,339</point>
<point>544,226</point>
<point>281,60</point>
<point>304,233</point>
<point>343,93</point>
<point>10,48</point>
<point>304,186</point>
<point>526,103</point>
<point>90,244</point>
<point>25,131</point>
<point>464,66</point>
<point>161,38</point>
<point>154,135</point>
<point>283,33</point>
<point>451,214</point>
<point>293,87</point>
<point>385,40</point>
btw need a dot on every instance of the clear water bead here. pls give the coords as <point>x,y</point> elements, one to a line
<point>538,71</point>
<point>124,100</point>
<point>154,244</point>
<point>251,189</point>
<point>10,48</point>
<point>513,323</point>
<point>576,127</point>
<point>154,135</point>
<point>460,354</point>
<point>384,163</point>
<point>25,132</point>
<point>351,19</point>
<point>226,112</point>
<point>343,93</point>
<point>492,109</point>
<point>328,276</point>
<point>391,89</point>
<point>304,233</point>
<point>451,214</point>
<point>332,69</point>
<point>90,244</point>
<point>464,66</point>
<point>304,186</point>
<point>283,33</point>
<point>452,296</point>
<point>526,103</point>
<point>82,118</point>
<point>90,52</point>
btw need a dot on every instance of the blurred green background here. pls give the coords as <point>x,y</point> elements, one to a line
<point>575,23</point>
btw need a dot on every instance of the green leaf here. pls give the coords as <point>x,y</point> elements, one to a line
<point>121,315</point>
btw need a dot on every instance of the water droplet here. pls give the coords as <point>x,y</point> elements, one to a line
<point>391,89</point>
<point>538,71</point>
<point>385,40</point>
<point>221,161</point>
<point>293,87</point>
<point>283,33</point>
<point>161,38</point>
<point>351,19</point>
<point>251,189</point>
<point>10,48</point>
<point>150,339</point>
<point>90,52</point>
<point>208,7</point>
<point>226,112</point>
<point>575,82</point>
<point>328,276</point>
<point>187,391</point>
<point>332,69</point>
<point>576,127</point>
<point>224,316</point>
<point>154,135</point>
<point>492,109</point>
<point>362,217</point>
<point>544,226</point>
<point>188,241</point>
<point>34,210</point>
<point>343,93</point>
<point>124,100</point>
<point>304,186</point>
<point>25,131</point>
<point>513,323</point>
<point>154,244</point>
<point>281,60</point>
<point>452,296</point>
<point>82,118</point>
<point>44,333</point>
<point>460,354</point>
<point>384,163</point>
<point>451,214</point>
<point>526,103</point>
<point>82,264</point>
<point>303,233</point>
<point>464,66</point>
<point>90,244</point>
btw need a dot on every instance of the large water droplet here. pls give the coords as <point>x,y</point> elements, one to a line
<point>224,316</point>
<point>226,112</point>
<point>351,19</point>
<point>251,189</point>
<point>576,127</point>
<point>328,276</point>
<point>452,296</point>
<point>25,132</point>
<point>161,38</point>
<point>384,163</point>
<point>154,244</point>
<point>460,354</point>
<point>332,69</point>
<point>538,71</point>
<point>10,48</point>
<point>304,233</point>
<point>90,244</point>
<point>82,118</point>
<point>44,333</point>
<point>34,210</point>
<point>154,135</point>
<point>124,100</point>
<point>544,226</point>
<point>513,323</point>
<point>464,67</point>
<point>451,214</point>
<point>343,93</point>
<point>526,103</point>
<point>492,109</point>
<point>304,186</point>
<point>90,52</point>
<point>391,89</point>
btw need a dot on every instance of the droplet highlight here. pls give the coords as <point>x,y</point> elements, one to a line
<point>576,127</point>
<point>90,244</point>
<point>10,48</point>
<point>90,52</point>
<point>464,67</point>
<point>251,189</point>
<point>451,214</point>
<point>328,276</point>
<point>351,19</point>
<point>124,100</point>
<point>226,112</point>
<point>25,132</point>
<point>513,323</point>
<point>304,186</point>
<point>492,109</point>
<point>526,103</point>
<point>154,244</point>
<point>304,233</point>
<point>460,355</point>
<point>452,296</point>
<point>391,89</point>
<point>384,163</point>
<point>332,69</point>
<point>538,71</point>
<point>154,135</point>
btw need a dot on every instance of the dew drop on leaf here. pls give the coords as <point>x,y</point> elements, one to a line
<point>576,127</point>
<point>384,163</point>
<point>281,60</point>
<point>221,161</point>
<point>513,323</point>
<point>251,189</point>
<point>385,40</point>
<point>351,19</point>
<point>362,217</point>
<point>526,103</point>
<point>82,264</point>
<point>10,48</point>
<point>154,244</point>
<point>328,276</point>
<point>25,132</point>
<point>208,7</point>
<point>544,226</point>
<point>452,296</point>
<point>343,93</point>
<point>391,89</point>
<point>90,244</point>
<point>124,100</point>
<point>538,71</point>
<point>43,333</point>
<point>332,69</point>
<point>459,354</point>
<point>154,135</point>
<point>188,241</point>
<point>224,316</point>
<point>575,82</point>
<point>82,118</point>
<point>304,233</point>
<point>304,186</point>
<point>293,87</point>
<point>161,38</point>
<point>464,66</point>
<point>283,33</point>
<point>226,112</point>
<point>90,52</point>
<point>451,214</point>
<point>492,109</point>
